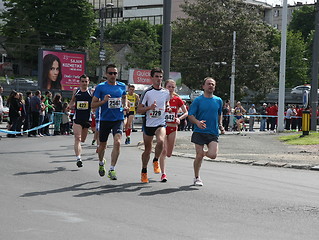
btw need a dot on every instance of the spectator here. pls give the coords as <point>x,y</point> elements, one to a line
<point>65,125</point>
<point>289,114</point>
<point>22,114</point>
<point>293,118</point>
<point>14,112</point>
<point>226,115</point>
<point>49,108</point>
<point>263,112</point>
<point>299,117</point>
<point>42,116</point>
<point>251,112</point>
<point>35,103</point>
<point>273,113</point>
<point>1,104</point>
<point>57,103</point>
<point>27,120</point>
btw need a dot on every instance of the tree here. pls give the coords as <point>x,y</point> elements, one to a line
<point>303,20</point>
<point>296,64</point>
<point>205,38</point>
<point>30,24</point>
<point>143,39</point>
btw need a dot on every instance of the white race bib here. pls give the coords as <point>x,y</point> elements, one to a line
<point>156,113</point>
<point>170,117</point>
<point>115,103</point>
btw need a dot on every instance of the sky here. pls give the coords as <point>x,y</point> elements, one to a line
<point>291,2</point>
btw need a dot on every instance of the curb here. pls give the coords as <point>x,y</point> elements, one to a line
<point>246,162</point>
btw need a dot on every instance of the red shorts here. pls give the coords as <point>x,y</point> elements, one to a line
<point>169,130</point>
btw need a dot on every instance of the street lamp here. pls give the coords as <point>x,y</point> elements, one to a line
<point>102,51</point>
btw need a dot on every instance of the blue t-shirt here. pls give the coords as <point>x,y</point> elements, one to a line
<point>112,110</point>
<point>208,109</point>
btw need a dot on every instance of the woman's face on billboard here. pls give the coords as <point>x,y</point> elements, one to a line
<point>54,71</point>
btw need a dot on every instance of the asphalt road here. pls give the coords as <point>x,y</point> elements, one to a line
<point>45,196</point>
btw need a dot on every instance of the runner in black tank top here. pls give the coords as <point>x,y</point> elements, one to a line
<point>81,101</point>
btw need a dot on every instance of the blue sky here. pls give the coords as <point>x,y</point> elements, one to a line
<point>291,2</point>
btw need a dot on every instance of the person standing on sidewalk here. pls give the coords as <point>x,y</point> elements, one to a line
<point>35,105</point>
<point>252,112</point>
<point>110,96</point>
<point>81,101</point>
<point>154,102</point>
<point>206,113</point>
<point>172,121</point>
<point>1,104</point>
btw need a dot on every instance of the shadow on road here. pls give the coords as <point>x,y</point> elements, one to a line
<point>58,169</point>
<point>170,190</point>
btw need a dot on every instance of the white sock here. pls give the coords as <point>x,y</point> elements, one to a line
<point>112,168</point>
<point>78,157</point>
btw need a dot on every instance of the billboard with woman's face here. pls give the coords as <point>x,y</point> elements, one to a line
<point>60,70</point>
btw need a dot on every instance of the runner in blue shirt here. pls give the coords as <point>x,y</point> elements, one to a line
<point>110,96</point>
<point>206,113</point>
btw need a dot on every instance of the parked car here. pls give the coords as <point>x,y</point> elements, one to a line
<point>300,89</point>
<point>23,81</point>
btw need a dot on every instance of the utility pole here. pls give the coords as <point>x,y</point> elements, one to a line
<point>167,38</point>
<point>282,71</point>
<point>102,51</point>
<point>314,73</point>
<point>232,80</point>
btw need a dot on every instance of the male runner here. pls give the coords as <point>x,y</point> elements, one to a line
<point>206,113</point>
<point>81,100</point>
<point>133,100</point>
<point>110,96</point>
<point>154,102</point>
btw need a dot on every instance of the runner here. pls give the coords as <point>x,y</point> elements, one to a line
<point>206,114</point>
<point>172,122</point>
<point>81,100</point>
<point>153,103</point>
<point>133,100</point>
<point>110,96</point>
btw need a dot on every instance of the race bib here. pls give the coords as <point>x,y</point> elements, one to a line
<point>170,117</point>
<point>132,104</point>
<point>82,105</point>
<point>156,113</point>
<point>115,103</point>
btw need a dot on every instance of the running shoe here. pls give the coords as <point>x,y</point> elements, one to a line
<point>112,175</point>
<point>163,178</point>
<point>144,178</point>
<point>198,182</point>
<point>102,169</point>
<point>128,140</point>
<point>93,141</point>
<point>156,167</point>
<point>79,163</point>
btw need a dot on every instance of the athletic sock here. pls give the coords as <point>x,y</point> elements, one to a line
<point>155,159</point>
<point>144,170</point>
<point>112,168</point>
<point>128,132</point>
<point>78,157</point>
<point>101,163</point>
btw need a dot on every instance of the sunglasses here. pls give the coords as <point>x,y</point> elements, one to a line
<point>112,73</point>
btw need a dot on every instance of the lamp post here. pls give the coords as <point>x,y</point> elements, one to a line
<point>102,51</point>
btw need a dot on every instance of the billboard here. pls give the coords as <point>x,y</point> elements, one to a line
<point>140,76</point>
<point>60,70</point>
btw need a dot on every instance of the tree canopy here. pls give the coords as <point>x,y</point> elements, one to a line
<point>30,24</point>
<point>205,39</point>
<point>143,39</point>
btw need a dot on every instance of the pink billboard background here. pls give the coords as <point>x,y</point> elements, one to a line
<point>72,67</point>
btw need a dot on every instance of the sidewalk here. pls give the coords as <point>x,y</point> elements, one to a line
<point>255,148</point>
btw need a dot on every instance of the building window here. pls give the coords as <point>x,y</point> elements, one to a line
<point>276,13</point>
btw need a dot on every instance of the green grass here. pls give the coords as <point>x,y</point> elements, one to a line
<point>295,139</point>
